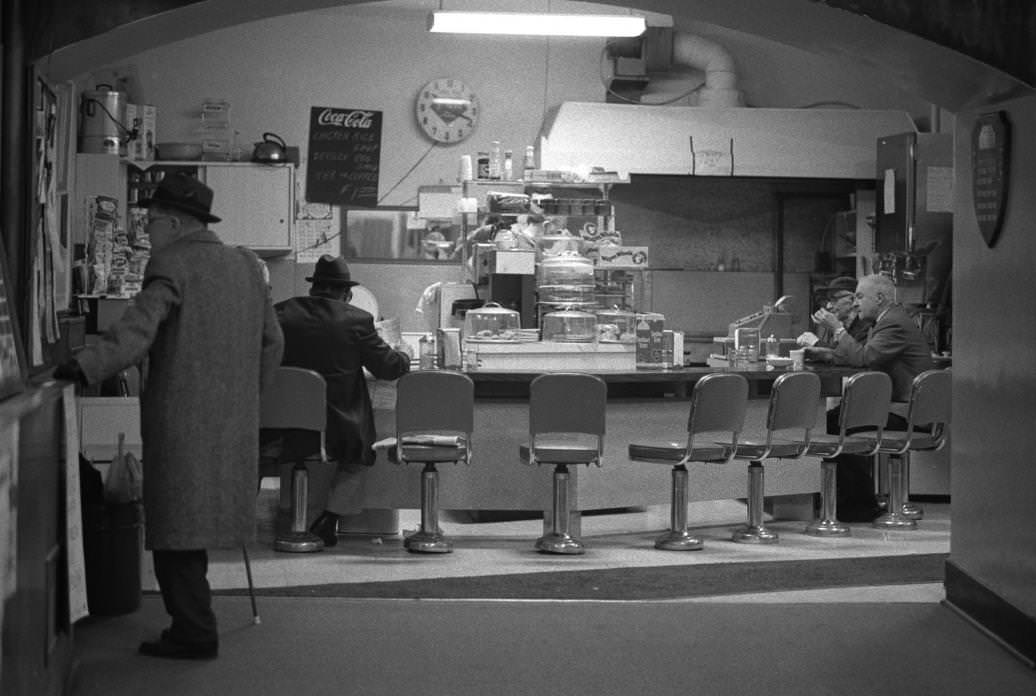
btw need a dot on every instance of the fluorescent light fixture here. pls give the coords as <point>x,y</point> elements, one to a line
<point>533,24</point>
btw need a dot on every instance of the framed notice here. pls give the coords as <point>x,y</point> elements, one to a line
<point>990,162</point>
<point>344,156</point>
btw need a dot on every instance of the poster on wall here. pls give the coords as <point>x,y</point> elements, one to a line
<point>344,156</point>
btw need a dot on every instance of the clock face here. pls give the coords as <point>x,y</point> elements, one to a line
<point>447,110</point>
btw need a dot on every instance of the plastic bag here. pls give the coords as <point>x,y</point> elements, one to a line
<point>125,477</point>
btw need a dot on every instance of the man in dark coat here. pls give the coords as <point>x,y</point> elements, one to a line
<point>205,322</point>
<point>323,332</point>
<point>894,345</point>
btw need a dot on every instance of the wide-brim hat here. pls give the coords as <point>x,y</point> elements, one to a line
<point>840,284</point>
<point>332,270</point>
<point>185,193</point>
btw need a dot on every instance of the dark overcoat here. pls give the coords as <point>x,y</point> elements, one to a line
<point>205,321</point>
<point>339,340</point>
<point>894,345</point>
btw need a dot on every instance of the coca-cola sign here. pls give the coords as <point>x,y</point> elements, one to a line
<point>346,119</point>
<point>344,156</point>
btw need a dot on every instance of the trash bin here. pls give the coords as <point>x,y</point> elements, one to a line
<point>113,540</point>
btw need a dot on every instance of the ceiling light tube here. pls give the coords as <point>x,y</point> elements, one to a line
<point>532,24</point>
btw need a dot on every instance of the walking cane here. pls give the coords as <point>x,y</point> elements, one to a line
<point>251,589</point>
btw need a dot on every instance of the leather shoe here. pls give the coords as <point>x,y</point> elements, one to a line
<point>164,647</point>
<point>326,527</point>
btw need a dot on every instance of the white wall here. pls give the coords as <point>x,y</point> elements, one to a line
<point>994,400</point>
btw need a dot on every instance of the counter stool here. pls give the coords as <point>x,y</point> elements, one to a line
<point>929,409</point>
<point>864,410</point>
<point>435,415</point>
<point>718,405</point>
<point>296,399</point>
<point>790,417</point>
<point>566,426</point>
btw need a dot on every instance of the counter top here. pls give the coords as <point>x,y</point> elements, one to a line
<point>675,374</point>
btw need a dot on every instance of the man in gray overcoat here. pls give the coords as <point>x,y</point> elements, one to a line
<point>205,323</point>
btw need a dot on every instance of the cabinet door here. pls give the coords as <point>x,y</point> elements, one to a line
<point>255,204</point>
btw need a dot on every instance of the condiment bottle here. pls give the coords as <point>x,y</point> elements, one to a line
<point>771,347</point>
<point>508,168</point>
<point>495,159</point>
<point>529,163</point>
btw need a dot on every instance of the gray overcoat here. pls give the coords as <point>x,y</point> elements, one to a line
<point>205,321</point>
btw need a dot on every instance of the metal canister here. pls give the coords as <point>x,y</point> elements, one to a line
<point>102,115</point>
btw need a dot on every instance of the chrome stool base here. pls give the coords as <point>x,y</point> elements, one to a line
<point>298,539</point>
<point>427,542</point>
<point>912,511</point>
<point>298,542</point>
<point>894,521</point>
<point>678,541</point>
<point>754,535</point>
<point>556,542</point>
<point>827,528</point>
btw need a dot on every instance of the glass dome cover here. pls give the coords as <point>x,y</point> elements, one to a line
<point>569,325</point>
<point>567,268</point>
<point>616,326</point>
<point>491,322</point>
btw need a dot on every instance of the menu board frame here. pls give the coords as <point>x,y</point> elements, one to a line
<point>12,358</point>
<point>344,156</point>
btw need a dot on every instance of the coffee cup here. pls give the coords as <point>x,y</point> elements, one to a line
<point>798,358</point>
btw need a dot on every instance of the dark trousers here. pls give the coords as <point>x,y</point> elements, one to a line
<point>186,594</point>
<point>855,473</point>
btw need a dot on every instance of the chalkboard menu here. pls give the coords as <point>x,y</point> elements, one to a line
<point>344,155</point>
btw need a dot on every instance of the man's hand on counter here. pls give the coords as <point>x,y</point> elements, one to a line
<point>819,354</point>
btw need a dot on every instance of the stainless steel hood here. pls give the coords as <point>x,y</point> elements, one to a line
<point>704,141</point>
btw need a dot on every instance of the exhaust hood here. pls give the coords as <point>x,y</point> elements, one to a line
<point>707,141</point>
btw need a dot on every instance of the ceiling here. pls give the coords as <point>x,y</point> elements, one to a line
<point>952,57</point>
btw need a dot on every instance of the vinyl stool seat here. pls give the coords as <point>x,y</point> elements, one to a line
<point>792,411</point>
<point>718,404</point>
<point>866,397</point>
<point>560,434</point>
<point>928,417</point>
<point>434,421</point>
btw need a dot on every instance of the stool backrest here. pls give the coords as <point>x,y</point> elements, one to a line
<point>866,398</point>
<point>794,400</point>
<point>431,401</point>
<point>718,404</point>
<point>930,402</point>
<point>296,398</point>
<point>568,402</point>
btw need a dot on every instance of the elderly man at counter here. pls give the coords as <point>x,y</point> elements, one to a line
<point>894,345</point>
<point>325,333</point>
<point>205,322</point>
<point>841,301</point>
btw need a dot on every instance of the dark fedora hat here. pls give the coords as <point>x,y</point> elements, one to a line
<point>840,284</point>
<point>183,192</point>
<point>332,270</point>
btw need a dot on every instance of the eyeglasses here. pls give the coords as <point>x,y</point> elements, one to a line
<point>156,218</point>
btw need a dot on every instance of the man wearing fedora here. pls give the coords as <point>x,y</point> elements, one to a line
<point>324,333</point>
<point>205,324</point>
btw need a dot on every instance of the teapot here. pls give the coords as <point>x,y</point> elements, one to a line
<point>271,149</point>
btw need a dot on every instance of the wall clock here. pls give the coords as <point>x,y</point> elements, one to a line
<point>447,110</point>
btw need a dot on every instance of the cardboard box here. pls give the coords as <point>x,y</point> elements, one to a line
<point>650,329</point>
<point>512,261</point>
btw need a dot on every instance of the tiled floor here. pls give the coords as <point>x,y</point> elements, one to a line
<point>623,539</point>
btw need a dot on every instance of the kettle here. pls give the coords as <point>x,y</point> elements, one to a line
<point>271,149</point>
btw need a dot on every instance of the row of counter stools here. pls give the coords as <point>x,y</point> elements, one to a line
<point>435,416</point>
